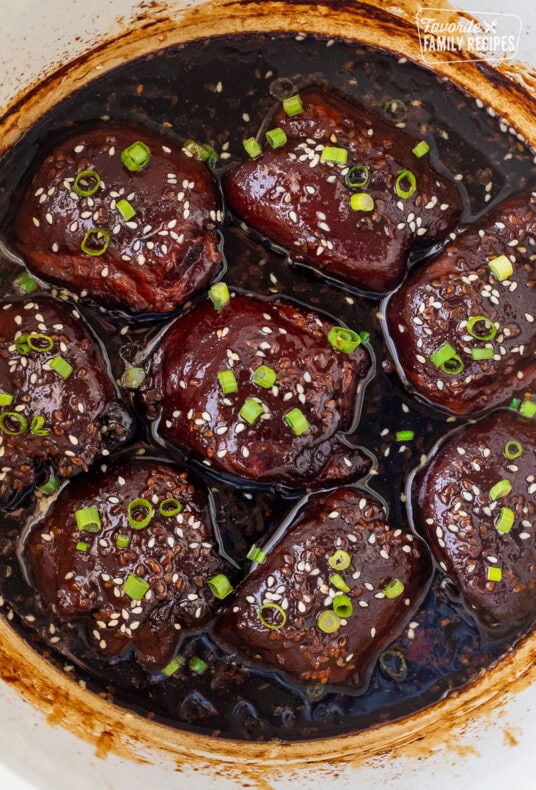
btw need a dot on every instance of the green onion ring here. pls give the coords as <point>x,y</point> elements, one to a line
<point>13,416</point>
<point>170,507</point>
<point>86,174</point>
<point>408,176</point>
<point>140,504</point>
<point>276,608</point>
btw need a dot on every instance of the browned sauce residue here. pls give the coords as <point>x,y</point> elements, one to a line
<point>97,721</point>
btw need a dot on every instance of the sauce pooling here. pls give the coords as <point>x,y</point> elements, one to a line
<point>180,90</point>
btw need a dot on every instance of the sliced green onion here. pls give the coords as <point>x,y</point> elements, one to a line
<point>293,105</point>
<point>219,295</point>
<point>26,283</point>
<point>173,666</point>
<point>500,489</point>
<point>501,267</point>
<point>360,201</point>
<point>444,356</point>
<point>203,153</point>
<point>96,236</point>
<point>404,436</point>
<point>394,589</point>
<point>122,541</point>
<point>256,555</point>
<point>333,154</point>
<point>365,336</point>
<point>357,177</point>
<point>453,365</point>
<point>88,519</point>
<point>61,367</point>
<point>22,346</point>
<point>490,327</point>
<point>296,421</point>
<point>82,545</point>
<point>342,339</point>
<point>133,378</point>
<point>514,404</point>
<point>401,176</point>
<point>251,411</point>
<point>264,377</point>
<point>342,606</point>
<point>252,147</point>
<point>137,505</point>
<point>33,342</point>
<point>126,210</point>
<point>51,485</point>
<point>528,408</point>
<point>481,353</point>
<point>86,175</point>
<point>505,521</point>
<point>276,137</point>
<point>493,574</point>
<point>136,156</point>
<point>339,560</point>
<point>211,157</point>
<point>220,586</point>
<point>134,587</point>
<point>228,382</point>
<point>197,665</point>
<point>387,659</point>
<point>276,611</point>
<point>170,507</point>
<point>513,449</point>
<point>421,149</point>
<point>37,426</point>
<point>328,621</point>
<point>337,581</point>
<point>13,423</point>
<point>5,398</point>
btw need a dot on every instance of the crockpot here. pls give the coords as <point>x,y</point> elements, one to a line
<point>54,732</point>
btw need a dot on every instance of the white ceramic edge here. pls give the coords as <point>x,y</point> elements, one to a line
<point>36,38</point>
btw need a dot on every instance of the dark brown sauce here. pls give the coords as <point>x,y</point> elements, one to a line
<point>179,89</point>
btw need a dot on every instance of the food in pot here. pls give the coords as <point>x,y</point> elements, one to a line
<point>129,551</point>
<point>217,91</point>
<point>463,326</point>
<point>123,215</point>
<point>475,503</point>
<point>335,589</point>
<point>263,390</point>
<point>343,190</point>
<point>58,402</point>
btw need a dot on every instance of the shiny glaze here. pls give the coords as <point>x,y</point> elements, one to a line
<point>434,303</point>
<point>453,511</point>
<point>80,412</point>
<point>299,202</point>
<point>297,573</point>
<point>154,261</point>
<point>175,555</point>
<point>179,88</point>
<point>184,394</point>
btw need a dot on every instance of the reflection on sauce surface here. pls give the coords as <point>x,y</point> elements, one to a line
<point>441,648</point>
